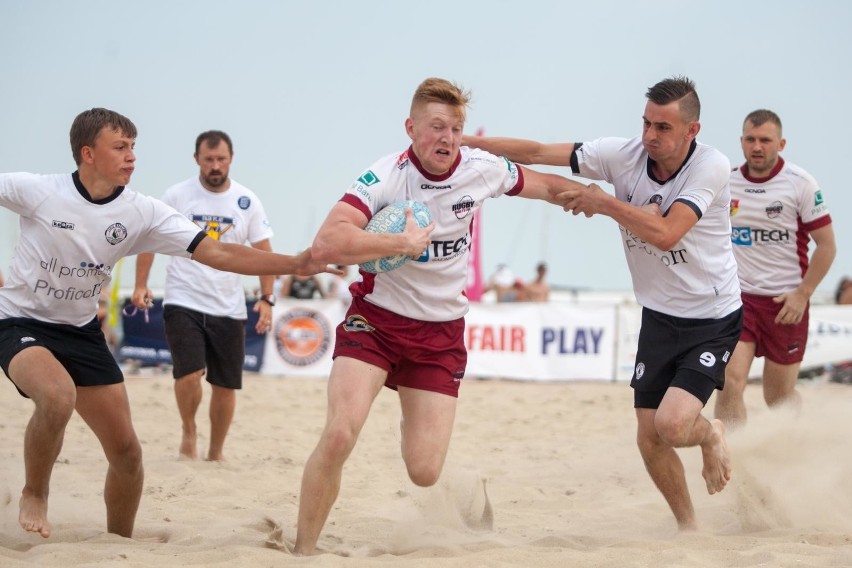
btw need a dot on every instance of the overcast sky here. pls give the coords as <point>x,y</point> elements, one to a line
<point>313,92</point>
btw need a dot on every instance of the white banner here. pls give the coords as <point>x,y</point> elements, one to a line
<point>541,341</point>
<point>302,338</point>
<point>547,342</point>
<point>829,338</point>
<point>515,341</point>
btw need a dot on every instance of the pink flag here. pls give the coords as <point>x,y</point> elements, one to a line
<point>475,284</point>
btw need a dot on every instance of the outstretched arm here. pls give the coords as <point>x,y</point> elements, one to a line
<point>251,261</point>
<point>342,239</point>
<point>538,185</point>
<point>664,232</point>
<point>523,151</point>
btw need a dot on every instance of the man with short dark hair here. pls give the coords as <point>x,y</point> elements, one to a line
<point>671,204</point>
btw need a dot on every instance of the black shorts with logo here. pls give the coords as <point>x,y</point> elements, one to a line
<point>83,351</point>
<point>198,341</point>
<point>688,353</point>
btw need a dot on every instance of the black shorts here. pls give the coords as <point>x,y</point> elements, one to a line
<point>688,353</point>
<point>198,341</point>
<point>83,351</point>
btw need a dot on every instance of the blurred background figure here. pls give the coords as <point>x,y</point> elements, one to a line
<point>503,283</point>
<point>103,317</point>
<point>843,295</point>
<point>338,286</point>
<point>538,290</point>
<point>301,287</point>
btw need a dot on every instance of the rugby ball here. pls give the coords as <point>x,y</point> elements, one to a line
<point>391,219</point>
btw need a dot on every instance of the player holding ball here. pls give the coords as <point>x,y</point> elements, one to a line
<point>404,328</point>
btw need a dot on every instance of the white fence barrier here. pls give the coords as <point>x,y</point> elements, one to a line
<point>526,341</point>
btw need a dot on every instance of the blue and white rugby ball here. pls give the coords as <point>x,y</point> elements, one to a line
<point>391,219</point>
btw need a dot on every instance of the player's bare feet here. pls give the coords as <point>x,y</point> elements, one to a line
<point>717,458</point>
<point>33,515</point>
<point>188,446</point>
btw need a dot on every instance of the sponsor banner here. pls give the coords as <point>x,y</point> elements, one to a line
<point>541,341</point>
<point>524,341</point>
<point>512,341</point>
<point>302,337</point>
<point>144,340</point>
<point>829,339</point>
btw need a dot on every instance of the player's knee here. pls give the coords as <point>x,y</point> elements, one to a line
<point>423,470</point>
<point>735,383</point>
<point>776,397</point>
<point>193,377</point>
<point>673,430</point>
<point>128,456</point>
<point>57,406</point>
<point>339,439</point>
<point>424,475</point>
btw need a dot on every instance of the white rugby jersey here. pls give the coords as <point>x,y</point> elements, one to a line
<point>697,278</point>
<point>431,288</point>
<point>233,216</point>
<point>771,218</point>
<point>69,244</point>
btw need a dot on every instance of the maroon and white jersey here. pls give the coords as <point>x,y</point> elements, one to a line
<point>70,244</point>
<point>771,218</point>
<point>697,278</point>
<point>431,288</point>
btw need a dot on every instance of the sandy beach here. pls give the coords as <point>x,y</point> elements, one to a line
<point>564,480</point>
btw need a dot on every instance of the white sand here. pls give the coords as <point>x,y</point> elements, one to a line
<point>561,467</point>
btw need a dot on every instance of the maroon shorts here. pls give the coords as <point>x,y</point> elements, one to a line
<point>781,343</point>
<point>423,355</point>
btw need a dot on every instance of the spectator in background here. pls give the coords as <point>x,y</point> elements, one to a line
<point>538,290</point>
<point>338,287</point>
<point>844,291</point>
<point>103,317</point>
<point>302,287</point>
<point>503,283</point>
<point>204,309</point>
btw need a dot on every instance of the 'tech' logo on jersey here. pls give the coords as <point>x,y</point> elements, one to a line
<point>747,236</point>
<point>741,236</point>
<point>445,250</point>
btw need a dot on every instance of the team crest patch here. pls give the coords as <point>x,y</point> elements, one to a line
<point>302,337</point>
<point>357,322</point>
<point>244,202</point>
<point>115,233</point>
<point>735,206</point>
<point>640,370</point>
